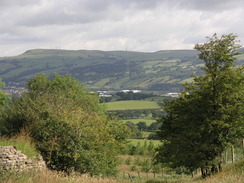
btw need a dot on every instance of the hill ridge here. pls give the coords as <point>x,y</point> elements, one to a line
<point>163,70</point>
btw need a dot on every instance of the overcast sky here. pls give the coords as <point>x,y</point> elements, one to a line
<point>133,25</point>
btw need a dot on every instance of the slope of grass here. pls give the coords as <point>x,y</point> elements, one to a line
<point>21,143</point>
<point>132,105</point>
<point>156,71</point>
<point>231,174</point>
<point>51,177</point>
<point>134,142</point>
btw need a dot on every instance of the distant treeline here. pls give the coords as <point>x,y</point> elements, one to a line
<point>133,96</point>
<point>134,114</point>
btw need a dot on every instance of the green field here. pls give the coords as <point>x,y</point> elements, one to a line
<point>146,120</point>
<point>161,71</point>
<point>131,105</point>
<point>142,141</point>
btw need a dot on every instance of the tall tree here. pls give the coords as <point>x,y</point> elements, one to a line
<point>209,113</point>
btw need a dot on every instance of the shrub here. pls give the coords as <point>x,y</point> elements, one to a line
<point>67,124</point>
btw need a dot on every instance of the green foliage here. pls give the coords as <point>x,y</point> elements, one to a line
<point>141,147</point>
<point>135,121</point>
<point>67,124</point>
<point>209,114</point>
<point>133,168</point>
<point>128,161</point>
<point>162,71</point>
<point>146,165</point>
<point>138,161</point>
<point>100,69</point>
<point>22,143</point>
<point>4,100</point>
<point>132,96</point>
<point>3,95</point>
<point>142,126</point>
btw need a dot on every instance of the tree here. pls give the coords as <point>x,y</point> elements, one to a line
<point>142,126</point>
<point>67,124</point>
<point>3,96</point>
<point>4,99</point>
<point>209,114</point>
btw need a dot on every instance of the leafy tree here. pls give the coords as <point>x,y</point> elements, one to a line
<point>142,126</point>
<point>209,114</point>
<point>3,95</point>
<point>150,147</point>
<point>134,132</point>
<point>67,124</point>
<point>146,166</point>
<point>3,102</point>
<point>153,127</point>
<point>153,136</point>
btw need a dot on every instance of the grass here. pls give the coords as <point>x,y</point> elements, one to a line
<point>146,120</point>
<point>231,174</point>
<point>21,143</point>
<point>132,105</point>
<point>142,141</point>
<point>51,177</point>
<point>150,70</point>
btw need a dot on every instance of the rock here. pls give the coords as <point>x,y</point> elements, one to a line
<point>12,159</point>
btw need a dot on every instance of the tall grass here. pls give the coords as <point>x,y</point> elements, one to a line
<point>22,143</point>
<point>232,174</point>
<point>51,177</point>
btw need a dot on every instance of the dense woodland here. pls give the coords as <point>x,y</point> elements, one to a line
<point>72,130</point>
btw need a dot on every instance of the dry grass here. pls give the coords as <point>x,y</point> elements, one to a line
<point>232,174</point>
<point>52,177</point>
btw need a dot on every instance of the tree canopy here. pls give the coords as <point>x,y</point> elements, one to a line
<point>3,96</point>
<point>67,124</point>
<point>209,113</point>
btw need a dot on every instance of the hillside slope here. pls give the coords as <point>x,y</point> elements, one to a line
<point>162,70</point>
<point>232,174</point>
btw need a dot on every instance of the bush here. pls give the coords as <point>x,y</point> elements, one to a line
<point>133,168</point>
<point>128,161</point>
<point>67,124</point>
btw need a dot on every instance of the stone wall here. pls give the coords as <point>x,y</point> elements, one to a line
<point>12,159</point>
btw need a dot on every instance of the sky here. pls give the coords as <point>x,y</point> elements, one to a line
<point>133,25</point>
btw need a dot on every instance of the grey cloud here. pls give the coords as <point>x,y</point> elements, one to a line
<point>86,11</point>
<point>140,25</point>
<point>6,3</point>
<point>77,12</point>
<point>210,5</point>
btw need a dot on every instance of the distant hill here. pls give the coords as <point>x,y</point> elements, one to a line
<point>102,70</point>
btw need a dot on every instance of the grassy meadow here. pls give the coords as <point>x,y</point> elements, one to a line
<point>22,143</point>
<point>232,174</point>
<point>132,105</point>
<point>142,141</point>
